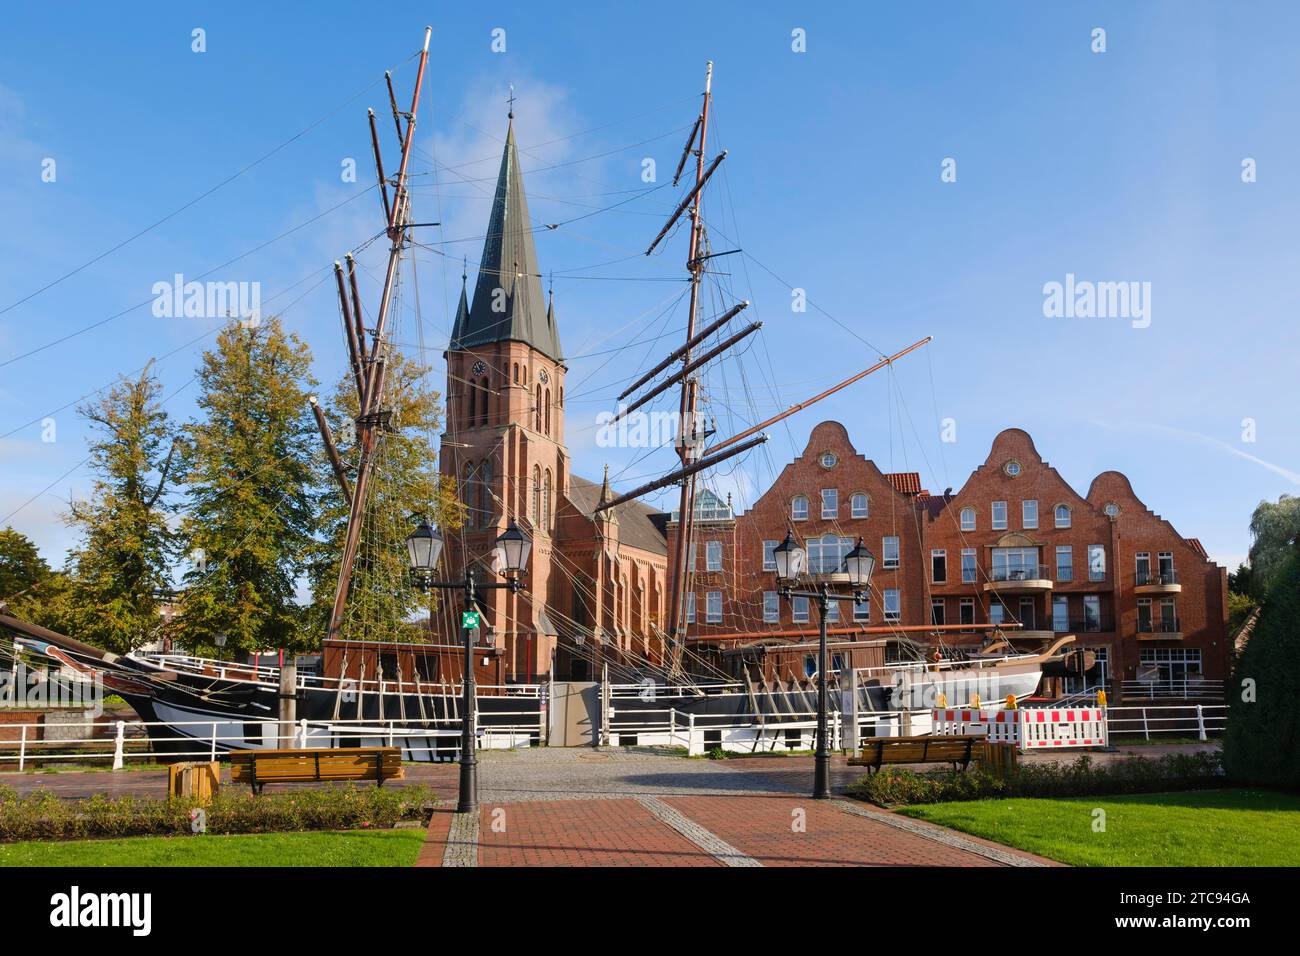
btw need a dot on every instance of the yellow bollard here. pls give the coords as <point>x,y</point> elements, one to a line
<point>943,700</point>
<point>1101,698</point>
<point>1011,701</point>
<point>975,701</point>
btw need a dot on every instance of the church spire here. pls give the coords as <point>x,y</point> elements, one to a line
<point>508,303</point>
<point>458,328</point>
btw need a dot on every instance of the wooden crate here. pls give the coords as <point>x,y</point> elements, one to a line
<point>196,782</point>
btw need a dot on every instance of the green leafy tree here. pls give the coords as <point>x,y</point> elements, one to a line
<point>120,572</point>
<point>405,482</point>
<point>249,468</point>
<point>1263,732</point>
<point>1274,526</point>
<point>24,575</point>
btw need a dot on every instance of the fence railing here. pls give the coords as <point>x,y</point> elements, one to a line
<point>1185,689</point>
<point>1191,719</point>
<point>209,739</point>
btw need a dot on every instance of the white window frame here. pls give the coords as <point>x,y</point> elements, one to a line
<point>690,607</point>
<point>884,551</point>
<point>795,503</point>
<point>939,553</point>
<point>713,556</point>
<point>771,607</point>
<point>830,503</point>
<point>893,596</point>
<point>1069,516</point>
<point>973,519</point>
<point>713,607</point>
<point>1068,551</point>
<point>962,604</point>
<point>974,565</point>
<point>769,559</point>
<point>854,510</point>
<point>996,523</point>
<point>1029,522</point>
<point>862,609</point>
<point>799,610</point>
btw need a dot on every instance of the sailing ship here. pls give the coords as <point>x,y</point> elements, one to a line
<point>187,699</point>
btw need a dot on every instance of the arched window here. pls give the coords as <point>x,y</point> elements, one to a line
<point>537,495</point>
<point>467,493</point>
<point>858,505</point>
<point>516,373</point>
<point>537,408</point>
<point>546,501</point>
<point>968,519</point>
<point>548,411</point>
<point>1063,516</point>
<point>799,508</point>
<point>471,400</point>
<point>485,492</point>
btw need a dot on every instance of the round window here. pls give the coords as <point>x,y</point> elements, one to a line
<point>1111,509</point>
<point>1012,468</point>
<point>828,459</point>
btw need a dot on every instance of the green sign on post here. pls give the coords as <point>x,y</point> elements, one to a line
<point>469,619</point>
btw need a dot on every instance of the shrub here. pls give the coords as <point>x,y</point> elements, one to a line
<point>44,816</point>
<point>1083,777</point>
<point>1263,733</point>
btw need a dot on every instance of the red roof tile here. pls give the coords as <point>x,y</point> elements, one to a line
<point>908,482</point>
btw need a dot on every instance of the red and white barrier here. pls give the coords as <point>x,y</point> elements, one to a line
<point>1029,728</point>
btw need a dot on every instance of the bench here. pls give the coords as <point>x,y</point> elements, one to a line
<point>257,768</point>
<point>953,749</point>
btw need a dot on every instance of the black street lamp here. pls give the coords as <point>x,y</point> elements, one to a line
<point>510,558</point>
<point>857,567</point>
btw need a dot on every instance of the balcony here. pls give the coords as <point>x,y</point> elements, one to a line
<point>1168,629</point>
<point>1019,579</point>
<point>1158,582</point>
<point>1100,624</point>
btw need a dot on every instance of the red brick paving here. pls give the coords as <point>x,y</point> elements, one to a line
<point>435,844</point>
<point>763,827</point>
<point>582,833</point>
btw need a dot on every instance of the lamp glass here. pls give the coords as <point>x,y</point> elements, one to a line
<point>858,565</point>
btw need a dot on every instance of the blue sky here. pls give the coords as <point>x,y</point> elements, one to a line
<point>1121,166</point>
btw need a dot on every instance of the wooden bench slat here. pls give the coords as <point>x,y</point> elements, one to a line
<point>260,767</point>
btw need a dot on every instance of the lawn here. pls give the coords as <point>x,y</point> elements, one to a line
<point>1194,828</point>
<point>327,848</point>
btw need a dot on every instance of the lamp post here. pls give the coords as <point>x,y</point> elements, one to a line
<point>510,554</point>
<point>857,567</point>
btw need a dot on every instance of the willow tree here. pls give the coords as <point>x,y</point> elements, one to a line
<point>119,573</point>
<point>383,603</point>
<point>249,468</point>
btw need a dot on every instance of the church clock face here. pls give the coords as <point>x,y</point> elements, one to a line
<point>480,368</point>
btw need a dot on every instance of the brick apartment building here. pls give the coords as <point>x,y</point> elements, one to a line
<point>1015,545</point>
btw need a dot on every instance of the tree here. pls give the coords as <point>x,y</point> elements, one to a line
<point>1263,732</point>
<point>1274,526</point>
<point>23,575</point>
<point>405,483</point>
<point>249,468</point>
<point>120,571</point>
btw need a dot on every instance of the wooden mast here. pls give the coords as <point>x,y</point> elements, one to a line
<point>687,408</point>
<point>373,378</point>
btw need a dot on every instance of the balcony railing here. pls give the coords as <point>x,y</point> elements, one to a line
<point>1157,577</point>
<point>1162,626</point>
<point>1091,625</point>
<point>1020,572</point>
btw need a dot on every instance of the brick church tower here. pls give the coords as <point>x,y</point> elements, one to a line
<point>504,439</point>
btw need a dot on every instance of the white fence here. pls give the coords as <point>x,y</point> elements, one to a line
<point>433,740</point>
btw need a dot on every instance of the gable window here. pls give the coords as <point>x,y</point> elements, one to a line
<point>893,606</point>
<point>968,566</point>
<point>799,610</point>
<point>889,551</point>
<point>1096,562</point>
<point>1029,514</point>
<point>858,505</point>
<point>771,607</point>
<point>713,556</point>
<point>999,512</point>
<point>1063,516</point>
<point>939,566</point>
<point>968,519</point>
<point>769,559</point>
<point>830,503</point>
<point>713,607</point>
<point>799,508</point>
